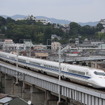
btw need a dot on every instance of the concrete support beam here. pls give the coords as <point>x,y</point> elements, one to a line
<point>37,95</point>
<point>2,76</point>
<point>8,84</point>
<point>26,91</point>
<point>23,89</point>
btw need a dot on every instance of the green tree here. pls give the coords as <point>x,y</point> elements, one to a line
<point>10,20</point>
<point>88,31</point>
<point>40,37</point>
<point>39,32</point>
<point>100,36</point>
<point>2,21</point>
<point>99,27</point>
<point>74,29</point>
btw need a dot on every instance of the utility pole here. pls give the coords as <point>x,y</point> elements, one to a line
<point>59,90</point>
<point>17,52</point>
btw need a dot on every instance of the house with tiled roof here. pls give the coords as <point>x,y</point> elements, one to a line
<point>11,100</point>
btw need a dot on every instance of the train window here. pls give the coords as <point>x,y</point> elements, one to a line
<point>82,73</point>
<point>37,63</point>
<point>12,58</point>
<point>34,63</point>
<point>21,60</point>
<point>53,67</point>
<point>76,72</point>
<point>99,73</point>
<point>46,65</point>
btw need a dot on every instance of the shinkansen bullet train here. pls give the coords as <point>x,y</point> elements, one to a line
<point>76,73</point>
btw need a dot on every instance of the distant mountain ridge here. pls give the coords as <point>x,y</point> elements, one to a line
<point>53,20</point>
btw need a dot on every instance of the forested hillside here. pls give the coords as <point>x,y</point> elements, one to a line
<point>39,32</point>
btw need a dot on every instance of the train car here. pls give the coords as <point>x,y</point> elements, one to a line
<point>80,74</point>
<point>8,57</point>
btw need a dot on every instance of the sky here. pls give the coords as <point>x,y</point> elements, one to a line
<point>72,10</point>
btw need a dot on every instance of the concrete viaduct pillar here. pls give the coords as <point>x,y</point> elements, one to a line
<point>10,86</point>
<point>31,92</point>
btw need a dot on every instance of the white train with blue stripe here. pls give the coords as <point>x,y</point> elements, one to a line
<point>85,75</point>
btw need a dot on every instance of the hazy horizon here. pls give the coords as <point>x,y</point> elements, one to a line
<point>72,10</point>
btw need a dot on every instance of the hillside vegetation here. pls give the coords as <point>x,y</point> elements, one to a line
<point>39,32</point>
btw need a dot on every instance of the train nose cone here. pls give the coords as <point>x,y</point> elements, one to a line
<point>101,83</point>
<point>98,83</point>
